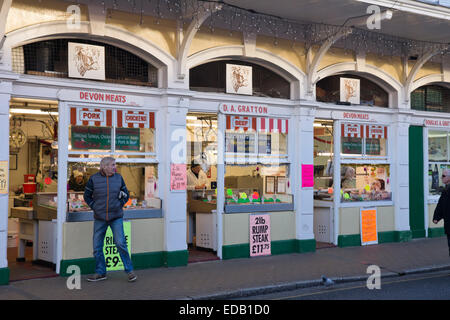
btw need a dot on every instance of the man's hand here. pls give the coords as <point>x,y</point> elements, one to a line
<point>122,195</point>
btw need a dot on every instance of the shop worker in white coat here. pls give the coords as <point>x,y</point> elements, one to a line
<point>196,177</point>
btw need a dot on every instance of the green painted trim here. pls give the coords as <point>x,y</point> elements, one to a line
<point>242,250</point>
<point>386,237</point>
<point>436,232</point>
<point>176,258</point>
<point>283,246</point>
<point>4,276</point>
<point>147,260</point>
<point>308,245</point>
<point>353,240</point>
<point>418,233</point>
<point>416,189</point>
<point>86,265</point>
<point>236,251</point>
<point>350,240</point>
<point>403,236</point>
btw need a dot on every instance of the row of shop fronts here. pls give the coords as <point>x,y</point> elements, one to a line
<point>311,165</point>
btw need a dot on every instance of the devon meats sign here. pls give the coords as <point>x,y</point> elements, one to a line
<point>101,97</point>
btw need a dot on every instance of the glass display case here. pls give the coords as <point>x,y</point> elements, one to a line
<point>365,183</point>
<point>45,205</point>
<point>257,188</point>
<point>203,201</point>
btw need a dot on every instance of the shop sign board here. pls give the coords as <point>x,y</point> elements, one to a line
<point>347,115</point>
<point>102,97</point>
<point>436,123</point>
<point>112,257</point>
<point>4,177</point>
<point>260,235</point>
<point>89,137</point>
<point>178,177</point>
<point>307,175</point>
<point>244,109</point>
<point>368,226</point>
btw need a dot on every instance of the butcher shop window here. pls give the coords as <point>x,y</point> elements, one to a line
<point>50,59</point>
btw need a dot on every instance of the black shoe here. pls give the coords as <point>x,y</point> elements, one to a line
<point>131,277</point>
<point>96,277</point>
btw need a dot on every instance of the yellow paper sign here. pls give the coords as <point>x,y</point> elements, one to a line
<point>369,233</point>
<point>4,177</point>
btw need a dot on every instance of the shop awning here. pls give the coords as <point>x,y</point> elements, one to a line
<point>135,119</point>
<point>80,116</point>
<point>355,130</point>
<point>258,124</point>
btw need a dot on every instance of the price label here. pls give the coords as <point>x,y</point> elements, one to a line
<point>260,235</point>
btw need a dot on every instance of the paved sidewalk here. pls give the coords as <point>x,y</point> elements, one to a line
<point>238,277</point>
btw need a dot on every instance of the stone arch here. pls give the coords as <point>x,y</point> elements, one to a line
<point>123,39</point>
<point>392,86</point>
<point>430,79</point>
<point>264,58</point>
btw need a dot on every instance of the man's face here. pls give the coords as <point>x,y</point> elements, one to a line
<point>446,177</point>
<point>196,169</point>
<point>110,168</point>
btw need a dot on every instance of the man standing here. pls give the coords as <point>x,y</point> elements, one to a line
<point>442,210</point>
<point>106,194</point>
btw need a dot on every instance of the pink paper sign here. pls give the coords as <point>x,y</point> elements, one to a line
<point>178,178</point>
<point>260,235</point>
<point>307,175</point>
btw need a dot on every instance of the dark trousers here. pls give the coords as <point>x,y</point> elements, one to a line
<point>448,240</point>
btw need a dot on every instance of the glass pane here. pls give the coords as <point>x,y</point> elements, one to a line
<point>376,147</point>
<point>278,142</point>
<point>89,138</point>
<point>240,142</point>
<point>257,184</point>
<point>323,160</point>
<point>437,146</point>
<point>365,183</point>
<point>351,146</point>
<point>435,185</point>
<point>135,139</point>
<point>141,181</point>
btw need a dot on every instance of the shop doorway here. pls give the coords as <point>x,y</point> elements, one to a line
<point>323,184</point>
<point>201,233</point>
<point>33,171</point>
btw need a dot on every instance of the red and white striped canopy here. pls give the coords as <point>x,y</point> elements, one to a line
<point>258,124</point>
<point>376,132</point>
<point>355,130</point>
<point>352,130</point>
<point>80,116</point>
<point>135,119</point>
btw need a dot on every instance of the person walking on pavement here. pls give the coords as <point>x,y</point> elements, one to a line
<point>442,210</point>
<point>106,194</point>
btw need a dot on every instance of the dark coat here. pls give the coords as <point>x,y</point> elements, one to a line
<point>442,210</point>
<point>102,195</point>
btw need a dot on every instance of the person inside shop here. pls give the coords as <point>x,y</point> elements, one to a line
<point>77,181</point>
<point>348,180</point>
<point>442,210</point>
<point>196,177</point>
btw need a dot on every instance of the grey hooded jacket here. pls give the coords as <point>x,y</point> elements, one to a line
<point>102,195</point>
